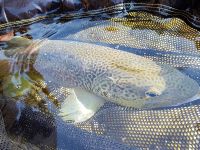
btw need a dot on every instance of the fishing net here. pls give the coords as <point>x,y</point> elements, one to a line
<point>161,34</point>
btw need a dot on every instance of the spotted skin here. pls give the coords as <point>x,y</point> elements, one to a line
<point>117,76</point>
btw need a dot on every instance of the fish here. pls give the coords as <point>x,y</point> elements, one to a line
<point>94,74</point>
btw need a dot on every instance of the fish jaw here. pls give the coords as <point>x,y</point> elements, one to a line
<point>193,98</point>
<point>176,89</point>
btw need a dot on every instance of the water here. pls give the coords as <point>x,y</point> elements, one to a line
<point>26,86</point>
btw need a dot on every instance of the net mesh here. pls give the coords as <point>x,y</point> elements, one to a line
<point>165,40</point>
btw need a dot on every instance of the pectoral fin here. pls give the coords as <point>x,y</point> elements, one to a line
<point>80,105</point>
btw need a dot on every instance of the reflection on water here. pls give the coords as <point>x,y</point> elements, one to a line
<point>19,78</point>
<point>31,94</point>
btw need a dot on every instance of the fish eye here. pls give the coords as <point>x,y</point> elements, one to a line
<point>151,94</point>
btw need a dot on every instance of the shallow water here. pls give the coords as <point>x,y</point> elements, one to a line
<point>21,81</point>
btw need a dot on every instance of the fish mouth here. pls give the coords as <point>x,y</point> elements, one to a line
<point>156,104</point>
<point>193,98</point>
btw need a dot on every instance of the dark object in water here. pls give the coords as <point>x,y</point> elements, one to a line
<point>24,9</point>
<point>12,10</point>
<point>22,120</point>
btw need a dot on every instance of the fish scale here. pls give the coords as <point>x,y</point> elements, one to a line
<point>165,81</point>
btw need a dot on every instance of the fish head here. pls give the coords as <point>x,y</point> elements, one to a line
<point>145,89</point>
<point>179,89</point>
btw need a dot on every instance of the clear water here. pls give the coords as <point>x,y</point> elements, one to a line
<point>27,86</point>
